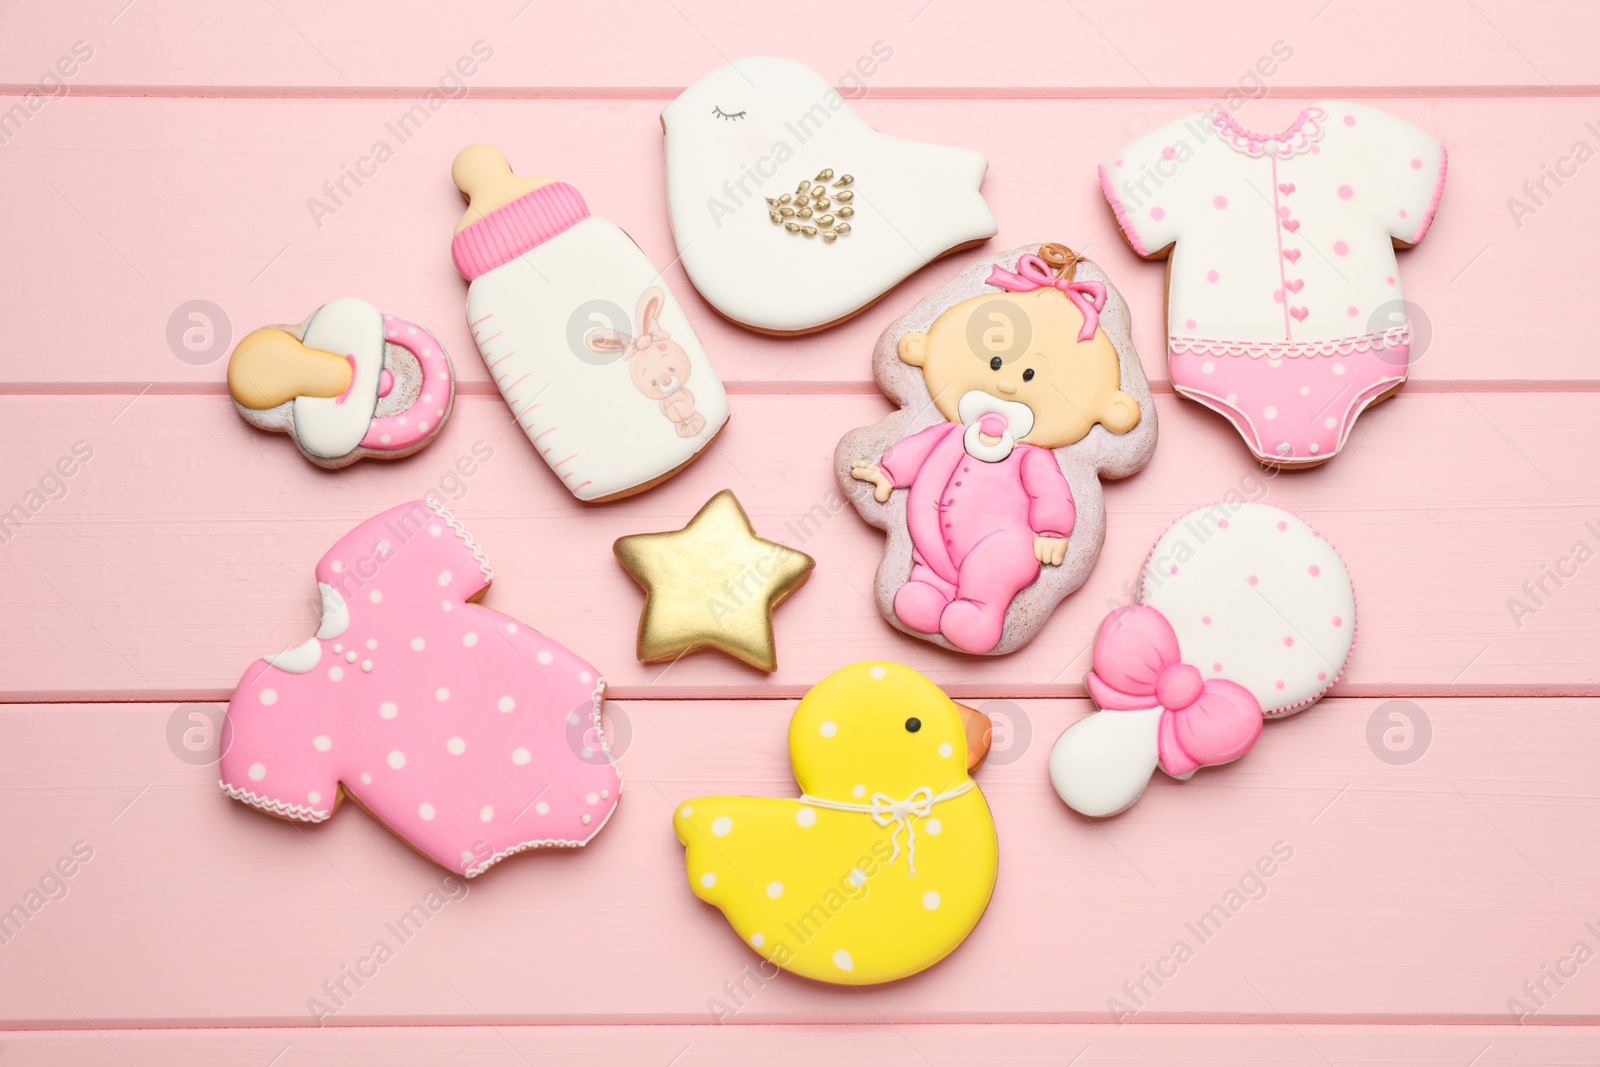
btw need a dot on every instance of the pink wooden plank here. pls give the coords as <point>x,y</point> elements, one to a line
<point>736,1046</point>
<point>1425,893</point>
<point>210,202</point>
<point>1039,46</point>
<point>184,548</point>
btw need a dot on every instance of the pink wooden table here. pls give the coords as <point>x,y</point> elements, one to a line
<point>1429,894</point>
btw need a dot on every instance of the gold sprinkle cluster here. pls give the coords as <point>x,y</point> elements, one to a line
<point>815,208</point>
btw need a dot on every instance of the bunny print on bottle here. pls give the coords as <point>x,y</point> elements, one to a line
<point>584,341</point>
<point>658,365</point>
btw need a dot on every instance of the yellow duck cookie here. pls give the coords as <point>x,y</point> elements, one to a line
<point>887,859</point>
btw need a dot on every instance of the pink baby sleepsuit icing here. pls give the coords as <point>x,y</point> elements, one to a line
<point>1284,308</point>
<point>468,734</point>
<point>972,525</point>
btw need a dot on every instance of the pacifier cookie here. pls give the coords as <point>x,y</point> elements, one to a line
<point>887,859</point>
<point>1244,612</point>
<point>468,734</point>
<point>581,335</point>
<point>347,383</point>
<point>1019,389</point>
<point>790,213</point>
<point>1285,312</point>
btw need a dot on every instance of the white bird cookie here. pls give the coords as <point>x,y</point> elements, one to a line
<point>791,214</point>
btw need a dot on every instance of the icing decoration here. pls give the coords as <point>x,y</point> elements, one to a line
<point>1237,213</point>
<point>712,584</point>
<point>582,338</point>
<point>729,184</point>
<point>816,208</point>
<point>1019,388</point>
<point>1033,273</point>
<point>1243,611</point>
<point>347,383</point>
<point>821,885</point>
<point>468,734</point>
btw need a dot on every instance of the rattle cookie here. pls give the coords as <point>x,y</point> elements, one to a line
<point>790,213</point>
<point>347,383</point>
<point>886,860</point>
<point>1243,612</point>
<point>1019,389</point>
<point>465,732</point>
<point>1285,312</point>
<point>596,360</point>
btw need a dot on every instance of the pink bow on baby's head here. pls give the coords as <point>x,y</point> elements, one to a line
<point>1034,273</point>
<point>1137,665</point>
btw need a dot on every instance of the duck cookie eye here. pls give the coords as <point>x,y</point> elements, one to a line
<point>913,724</point>
<point>996,363</point>
<point>731,116</point>
<point>1027,375</point>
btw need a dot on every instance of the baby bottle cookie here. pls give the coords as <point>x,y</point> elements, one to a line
<point>1243,612</point>
<point>1019,389</point>
<point>347,383</point>
<point>596,360</point>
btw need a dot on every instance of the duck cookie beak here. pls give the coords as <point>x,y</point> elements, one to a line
<point>271,366</point>
<point>979,732</point>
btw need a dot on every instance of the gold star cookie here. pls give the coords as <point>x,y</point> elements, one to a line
<point>712,584</point>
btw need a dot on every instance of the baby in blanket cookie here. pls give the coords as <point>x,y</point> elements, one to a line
<point>1016,373</point>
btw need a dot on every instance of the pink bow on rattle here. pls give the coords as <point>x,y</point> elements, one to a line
<point>1137,665</point>
<point>1034,273</point>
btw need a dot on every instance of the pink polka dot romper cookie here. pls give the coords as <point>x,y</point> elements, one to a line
<point>1284,306</point>
<point>468,734</point>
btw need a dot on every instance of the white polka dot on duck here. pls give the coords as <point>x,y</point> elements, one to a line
<point>757,939</point>
<point>930,900</point>
<point>544,658</point>
<point>933,826</point>
<point>829,728</point>
<point>257,771</point>
<point>269,697</point>
<point>857,877</point>
<point>397,759</point>
<point>945,750</point>
<point>879,673</point>
<point>469,639</point>
<point>506,704</point>
<point>859,791</point>
<point>805,816</point>
<point>322,742</point>
<point>708,879</point>
<point>722,826</point>
<point>687,811</point>
<point>520,757</point>
<point>774,890</point>
<point>455,746</point>
<point>426,811</point>
<point>842,960</point>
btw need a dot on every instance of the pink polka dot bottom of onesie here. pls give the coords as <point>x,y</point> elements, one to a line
<point>1293,410</point>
